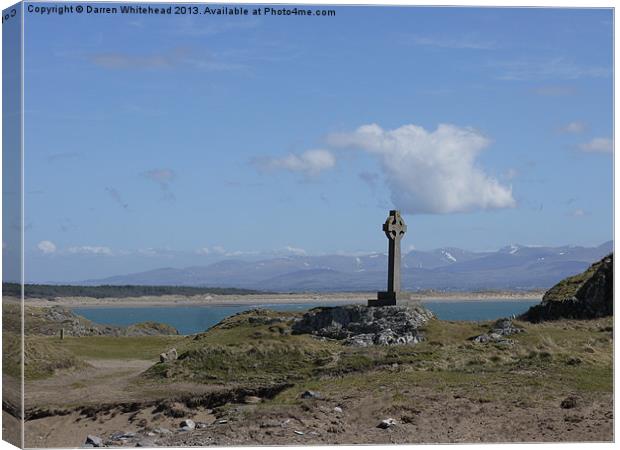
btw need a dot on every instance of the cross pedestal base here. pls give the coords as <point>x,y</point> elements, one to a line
<point>386,298</point>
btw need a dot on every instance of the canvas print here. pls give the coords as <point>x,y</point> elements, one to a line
<point>254,224</point>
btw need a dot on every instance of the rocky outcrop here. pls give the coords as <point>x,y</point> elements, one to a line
<point>49,322</point>
<point>362,326</point>
<point>170,355</point>
<point>498,333</point>
<point>585,296</point>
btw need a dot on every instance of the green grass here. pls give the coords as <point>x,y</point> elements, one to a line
<point>110,347</point>
<point>42,357</point>
<point>248,348</point>
<point>244,349</point>
<point>568,287</point>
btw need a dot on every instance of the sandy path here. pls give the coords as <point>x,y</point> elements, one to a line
<point>266,299</point>
<point>103,381</point>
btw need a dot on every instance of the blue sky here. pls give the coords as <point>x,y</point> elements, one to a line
<point>176,141</point>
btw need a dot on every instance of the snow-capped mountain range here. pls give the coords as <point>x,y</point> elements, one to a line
<point>514,267</point>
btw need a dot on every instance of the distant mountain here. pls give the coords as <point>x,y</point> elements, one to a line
<point>516,267</point>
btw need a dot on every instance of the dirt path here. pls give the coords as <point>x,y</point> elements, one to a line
<point>259,299</point>
<point>104,380</point>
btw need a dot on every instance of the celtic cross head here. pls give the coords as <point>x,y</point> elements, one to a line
<point>394,227</point>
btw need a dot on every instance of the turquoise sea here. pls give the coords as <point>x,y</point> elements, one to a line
<point>194,319</point>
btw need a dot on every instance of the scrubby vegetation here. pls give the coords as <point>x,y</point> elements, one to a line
<point>569,287</point>
<point>256,348</point>
<point>51,291</point>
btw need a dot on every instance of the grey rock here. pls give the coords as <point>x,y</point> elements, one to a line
<point>93,440</point>
<point>362,326</point>
<point>310,394</point>
<point>386,423</point>
<point>162,431</point>
<point>300,433</point>
<point>189,424</point>
<point>170,355</point>
<point>338,409</point>
<point>569,402</point>
<point>588,295</point>
<point>501,329</point>
<point>122,435</point>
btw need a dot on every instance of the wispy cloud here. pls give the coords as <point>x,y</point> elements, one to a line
<point>117,197</point>
<point>90,250</point>
<point>370,178</point>
<point>469,41</point>
<point>55,157</point>
<point>598,145</point>
<point>163,178</point>
<point>295,250</point>
<point>578,212</point>
<point>310,162</point>
<point>218,250</point>
<point>165,60</point>
<point>546,69</point>
<point>46,247</point>
<point>554,90</point>
<point>573,128</point>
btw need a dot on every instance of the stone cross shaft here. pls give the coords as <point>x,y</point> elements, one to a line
<point>394,228</point>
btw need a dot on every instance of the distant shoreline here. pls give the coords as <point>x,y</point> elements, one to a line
<point>267,299</point>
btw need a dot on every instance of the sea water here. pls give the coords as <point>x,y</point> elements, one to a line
<point>195,319</point>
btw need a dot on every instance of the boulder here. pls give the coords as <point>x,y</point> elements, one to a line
<point>93,440</point>
<point>170,355</point>
<point>361,326</point>
<point>386,423</point>
<point>588,295</point>
<point>501,328</point>
<point>310,394</point>
<point>189,424</point>
<point>569,402</point>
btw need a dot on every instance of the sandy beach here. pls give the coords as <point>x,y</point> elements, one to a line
<point>270,299</point>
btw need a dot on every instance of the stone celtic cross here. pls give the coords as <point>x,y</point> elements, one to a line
<point>394,228</point>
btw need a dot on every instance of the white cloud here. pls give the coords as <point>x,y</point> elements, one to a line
<point>90,250</point>
<point>578,213</point>
<point>310,162</point>
<point>431,172</point>
<point>295,250</point>
<point>573,127</point>
<point>203,251</point>
<point>219,250</point>
<point>598,145</point>
<point>241,253</point>
<point>46,247</point>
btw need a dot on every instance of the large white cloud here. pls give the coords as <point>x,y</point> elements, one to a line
<point>430,172</point>
<point>310,162</point>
